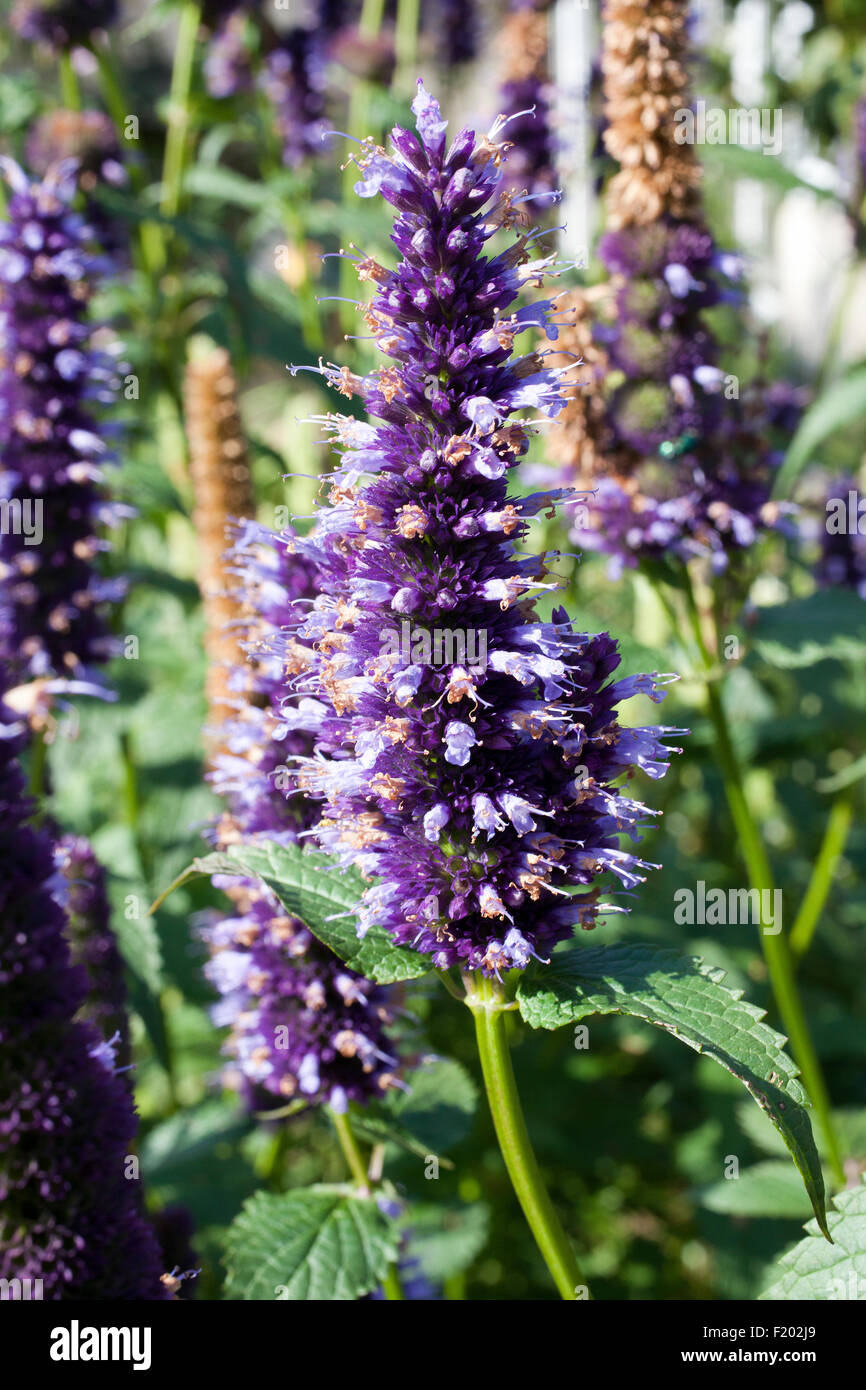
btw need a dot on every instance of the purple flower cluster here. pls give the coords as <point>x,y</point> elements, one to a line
<point>455,26</point>
<point>294,81</point>
<point>52,599</point>
<point>68,1213</point>
<point>303,1025</point>
<point>90,138</point>
<point>62,24</point>
<point>227,67</point>
<point>525,100</point>
<point>842,560</point>
<point>83,895</point>
<point>473,781</point>
<point>691,471</point>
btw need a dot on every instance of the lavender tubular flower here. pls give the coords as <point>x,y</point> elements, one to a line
<point>477,789</point>
<point>52,599</point>
<point>303,1026</point>
<point>68,1214</point>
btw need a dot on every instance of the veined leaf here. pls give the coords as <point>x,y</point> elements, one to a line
<point>312,1245</point>
<point>325,897</point>
<point>817,1271</point>
<point>686,998</point>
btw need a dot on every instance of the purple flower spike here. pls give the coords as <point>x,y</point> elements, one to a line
<point>83,894</point>
<point>52,599</point>
<point>303,1026</point>
<point>70,1212</point>
<point>465,748</point>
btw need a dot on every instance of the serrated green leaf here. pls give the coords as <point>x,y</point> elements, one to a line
<point>325,897</point>
<point>819,1272</point>
<point>841,405</point>
<point>828,625</point>
<point>770,1189</point>
<point>313,1244</point>
<point>686,998</point>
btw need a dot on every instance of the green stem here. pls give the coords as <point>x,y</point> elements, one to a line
<point>832,845</point>
<point>178,109</point>
<point>70,91</point>
<point>774,945</point>
<point>38,763</point>
<point>351,1151</point>
<point>406,43</point>
<point>486,999</point>
<point>391,1285</point>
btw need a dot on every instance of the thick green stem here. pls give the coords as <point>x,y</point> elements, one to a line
<point>777,954</point>
<point>832,845</point>
<point>486,999</point>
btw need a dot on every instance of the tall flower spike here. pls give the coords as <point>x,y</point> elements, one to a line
<point>69,1215</point>
<point>304,1027</point>
<point>529,162</point>
<point>466,749</point>
<point>671,465</point>
<point>222,487</point>
<point>52,599</point>
<point>93,945</point>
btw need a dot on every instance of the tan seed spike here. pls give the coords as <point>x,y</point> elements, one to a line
<point>222,488</point>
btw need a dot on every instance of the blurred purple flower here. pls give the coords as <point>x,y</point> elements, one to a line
<point>53,601</point>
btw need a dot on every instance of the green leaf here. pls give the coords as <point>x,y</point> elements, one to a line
<point>432,1117</point>
<point>830,624</point>
<point>748,163</point>
<point>819,1272</point>
<point>686,998</point>
<point>315,1244</point>
<point>770,1189</point>
<point>841,405</point>
<point>325,897</point>
<point>445,1237</point>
